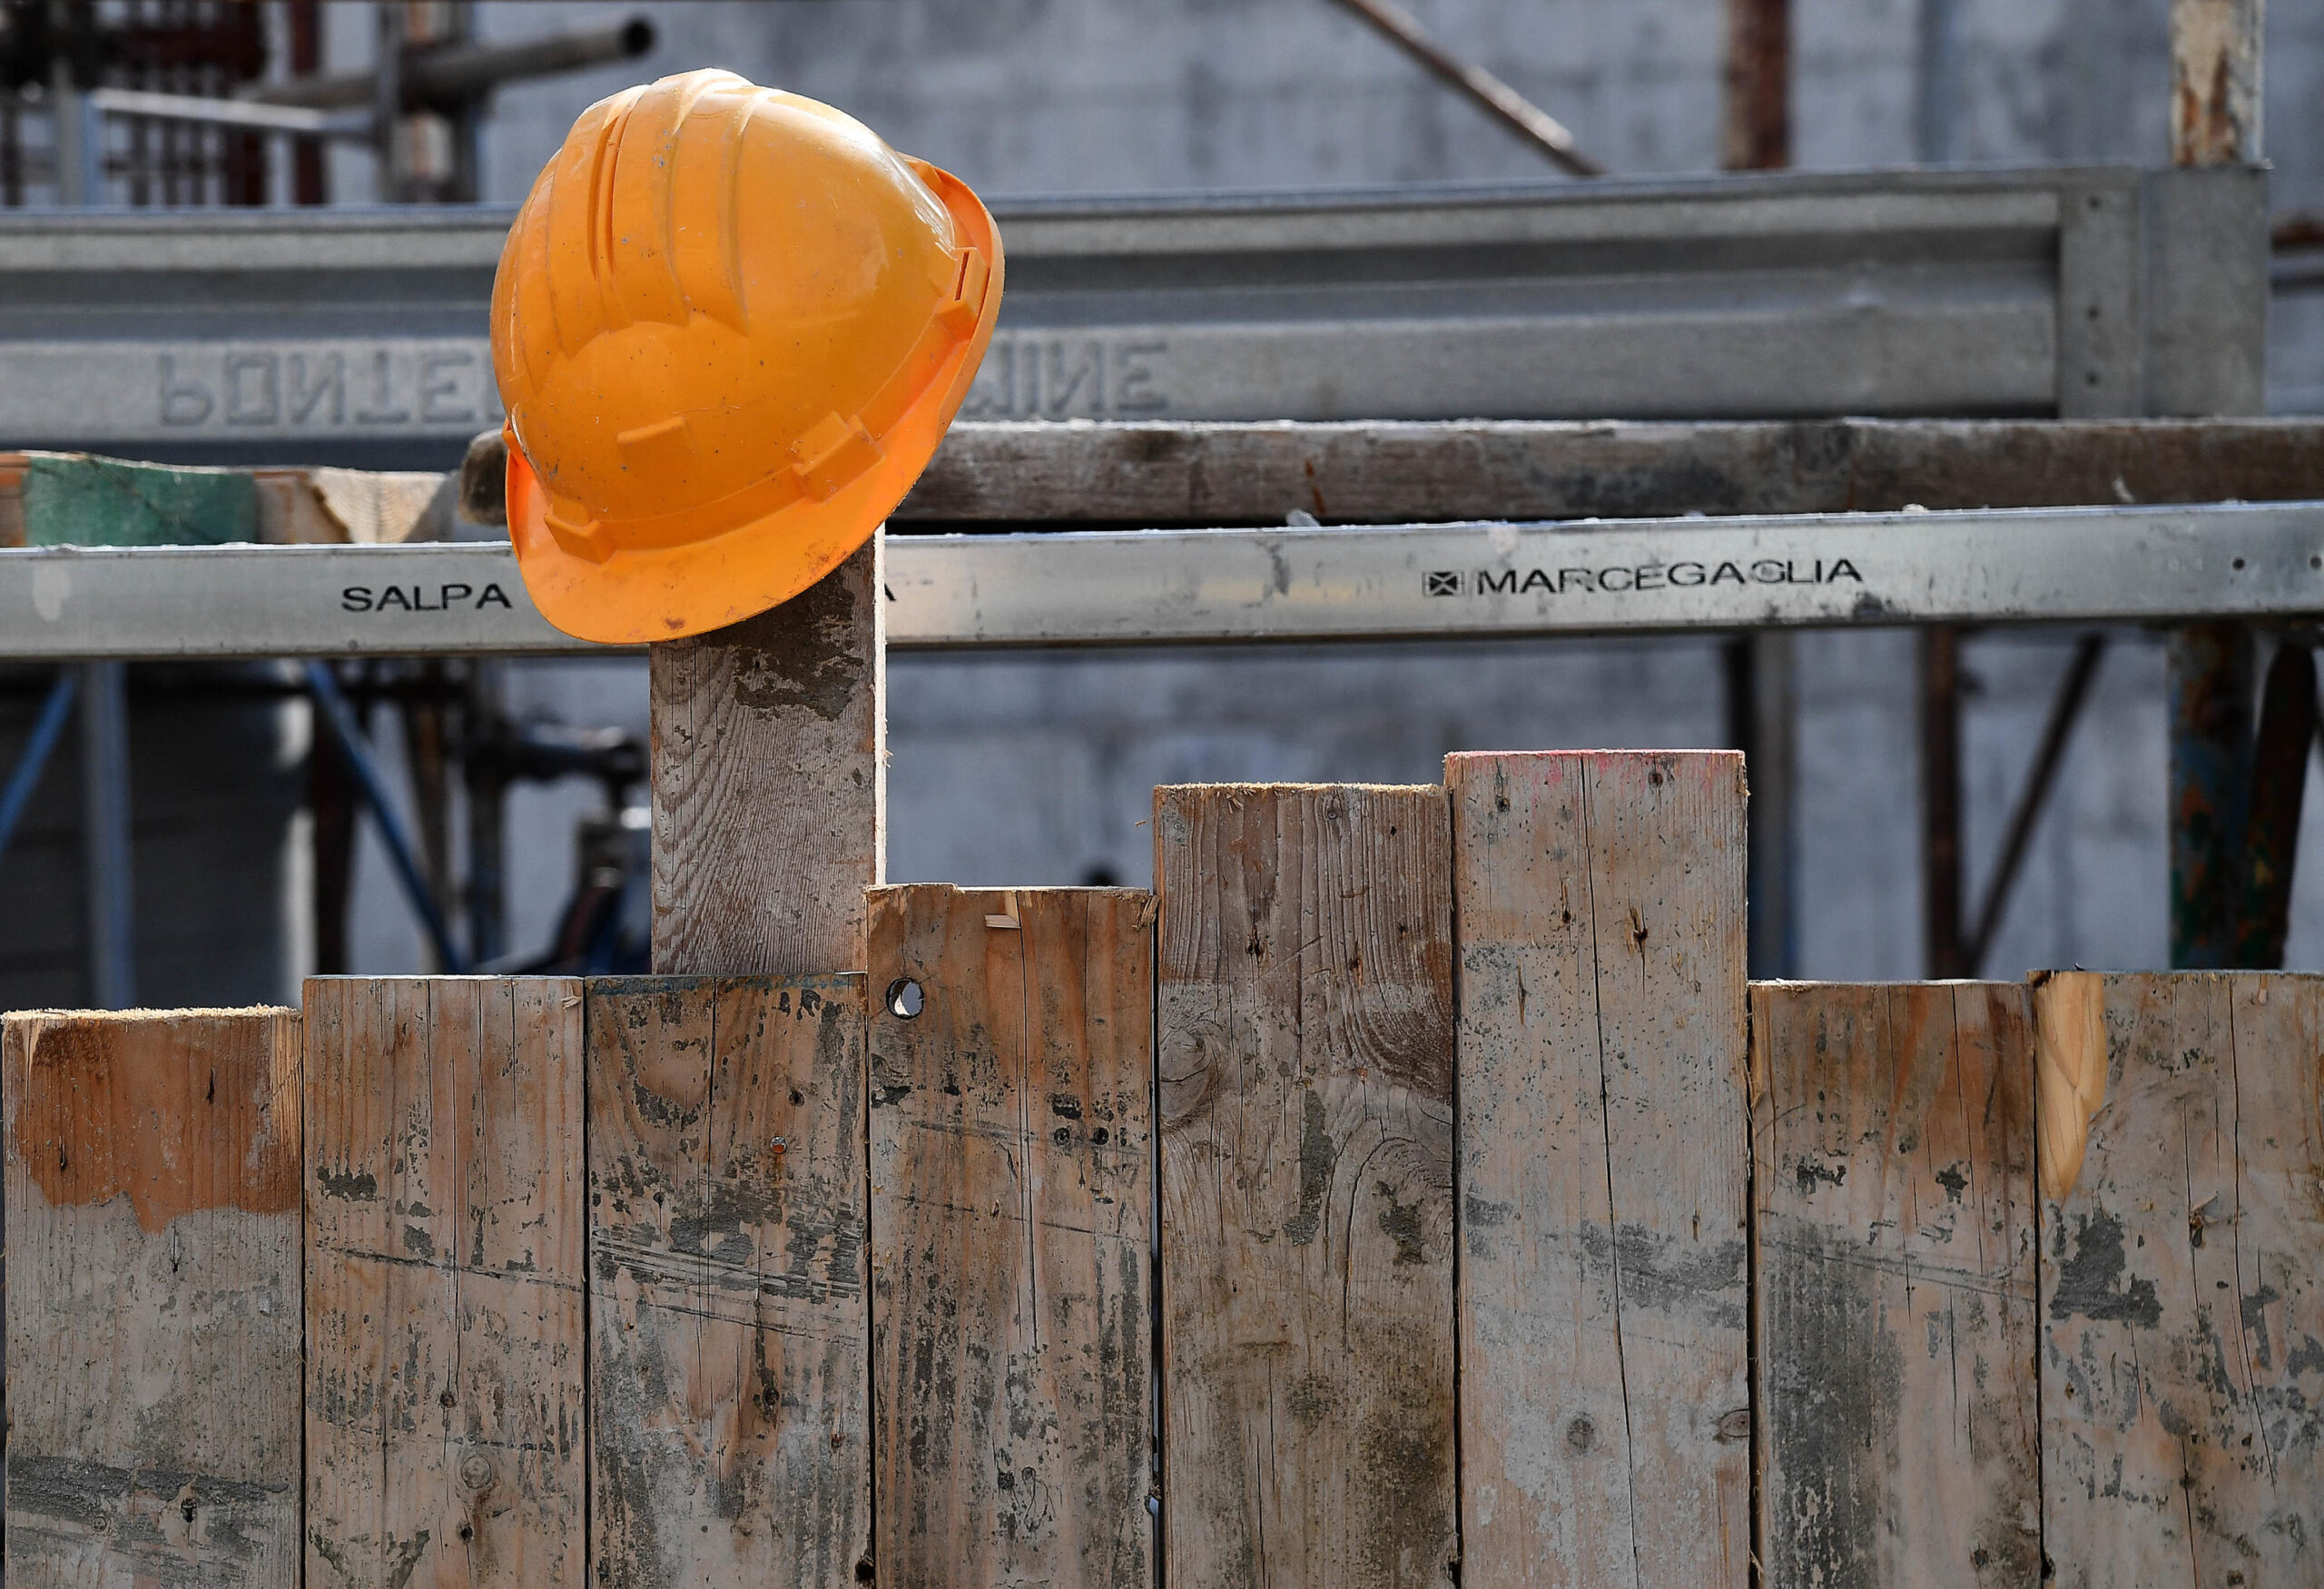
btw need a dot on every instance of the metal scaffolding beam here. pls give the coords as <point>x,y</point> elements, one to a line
<point>2250,561</point>
<point>267,336</point>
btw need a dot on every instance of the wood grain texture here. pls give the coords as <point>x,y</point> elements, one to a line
<point>2182,1295</point>
<point>1893,1153</point>
<point>2215,103</point>
<point>1605,1410</point>
<point>153,1299</point>
<point>731,1437</point>
<point>1305,1064</point>
<point>1395,471</point>
<point>444,1272</point>
<point>1012,1134</point>
<point>769,780</point>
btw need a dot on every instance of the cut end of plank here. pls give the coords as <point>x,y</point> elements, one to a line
<point>178,1111</point>
<point>2069,1071</point>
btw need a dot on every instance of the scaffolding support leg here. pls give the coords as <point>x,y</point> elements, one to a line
<point>485,761</point>
<point>1940,678</point>
<point>2210,670</point>
<point>47,729</point>
<point>1761,711</point>
<point>2279,783</point>
<point>105,835</point>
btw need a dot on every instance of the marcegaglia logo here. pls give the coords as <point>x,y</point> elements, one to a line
<point>1628,578</point>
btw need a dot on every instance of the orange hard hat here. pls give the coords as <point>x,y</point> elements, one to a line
<point>730,327</point>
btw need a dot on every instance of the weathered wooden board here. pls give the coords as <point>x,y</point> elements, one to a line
<point>1892,1154</point>
<point>1393,471</point>
<point>731,1438</point>
<point>444,1272</point>
<point>769,777</point>
<point>2183,1286</point>
<point>1605,1411</point>
<point>1304,1065</point>
<point>1387,472</point>
<point>1012,1134</point>
<point>152,1297</point>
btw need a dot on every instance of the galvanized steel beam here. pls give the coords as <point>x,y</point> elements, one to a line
<point>1169,586</point>
<point>360,338</point>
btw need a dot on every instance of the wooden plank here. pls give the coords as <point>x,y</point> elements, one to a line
<point>1305,1062</point>
<point>1407,471</point>
<point>1394,472</point>
<point>444,1273</point>
<point>152,1297</point>
<point>2183,1285</point>
<point>1892,1154</point>
<point>770,781</point>
<point>1012,1129</point>
<point>2215,103</point>
<point>731,1438</point>
<point>1604,1407</point>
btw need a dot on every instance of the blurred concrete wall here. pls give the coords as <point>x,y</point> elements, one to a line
<point>1037,769</point>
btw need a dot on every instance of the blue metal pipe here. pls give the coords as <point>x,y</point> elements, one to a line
<point>374,784</point>
<point>47,729</point>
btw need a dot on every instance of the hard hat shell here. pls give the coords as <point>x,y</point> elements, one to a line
<point>730,327</point>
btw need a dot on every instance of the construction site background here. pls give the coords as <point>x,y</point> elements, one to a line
<point>1038,768</point>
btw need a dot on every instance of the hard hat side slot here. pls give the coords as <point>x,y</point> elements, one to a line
<point>832,452</point>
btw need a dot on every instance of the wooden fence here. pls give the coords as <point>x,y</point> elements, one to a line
<point>1409,1191</point>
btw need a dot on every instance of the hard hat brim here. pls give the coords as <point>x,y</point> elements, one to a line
<point>636,597</point>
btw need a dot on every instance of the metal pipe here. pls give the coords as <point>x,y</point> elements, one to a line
<point>424,756</point>
<point>224,112</point>
<point>105,835</point>
<point>1761,707</point>
<point>374,784</point>
<point>1940,681</point>
<point>1757,109</point>
<point>1530,121</point>
<point>432,79</point>
<point>48,728</point>
<point>2065,711</point>
<point>2278,782</point>
<point>483,726</point>
<point>2209,672</point>
<point>1761,703</point>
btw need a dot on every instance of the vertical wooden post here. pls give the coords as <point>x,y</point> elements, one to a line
<point>443,1275</point>
<point>2215,80</point>
<point>2181,1278</point>
<point>728,1387</point>
<point>729,1424</point>
<point>1605,1412</point>
<point>1893,1284</point>
<point>770,783</point>
<point>1012,1217</point>
<point>2214,120</point>
<point>1303,1060</point>
<point>152,1297</point>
